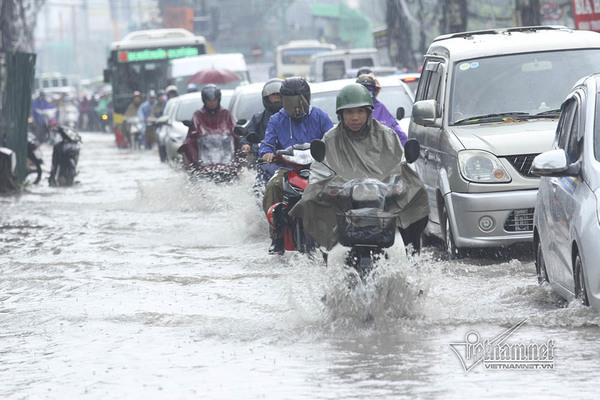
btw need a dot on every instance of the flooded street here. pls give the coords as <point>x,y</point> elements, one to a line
<point>135,284</point>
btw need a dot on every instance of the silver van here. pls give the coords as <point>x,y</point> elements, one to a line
<point>336,64</point>
<point>487,103</point>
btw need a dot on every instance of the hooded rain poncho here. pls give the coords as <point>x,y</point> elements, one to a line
<point>376,153</point>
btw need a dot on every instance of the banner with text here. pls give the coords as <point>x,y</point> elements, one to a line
<point>587,14</point>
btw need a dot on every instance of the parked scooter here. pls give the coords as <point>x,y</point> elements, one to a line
<point>65,156</point>
<point>364,223</point>
<point>298,158</point>
<point>34,157</point>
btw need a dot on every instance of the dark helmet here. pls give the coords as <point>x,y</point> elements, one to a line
<point>296,86</point>
<point>211,92</point>
<point>366,80</point>
<point>352,96</point>
<point>272,86</point>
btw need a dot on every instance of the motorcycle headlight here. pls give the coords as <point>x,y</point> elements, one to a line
<point>300,157</point>
<point>482,167</point>
<point>366,192</point>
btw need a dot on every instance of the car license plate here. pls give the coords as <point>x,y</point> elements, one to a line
<point>522,220</point>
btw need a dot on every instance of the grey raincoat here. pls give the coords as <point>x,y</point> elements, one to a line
<point>376,153</point>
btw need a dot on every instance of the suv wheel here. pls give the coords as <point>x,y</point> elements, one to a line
<point>452,252</point>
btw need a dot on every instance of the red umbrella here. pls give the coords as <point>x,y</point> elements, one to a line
<point>217,76</point>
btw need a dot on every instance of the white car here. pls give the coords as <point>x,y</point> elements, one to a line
<point>246,101</point>
<point>567,213</point>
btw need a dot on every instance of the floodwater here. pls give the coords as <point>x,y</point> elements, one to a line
<point>135,284</point>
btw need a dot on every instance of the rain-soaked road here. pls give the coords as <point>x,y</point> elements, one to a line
<point>136,285</point>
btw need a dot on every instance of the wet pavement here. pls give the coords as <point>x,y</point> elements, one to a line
<point>136,284</point>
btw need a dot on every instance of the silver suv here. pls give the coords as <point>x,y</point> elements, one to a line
<point>487,103</point>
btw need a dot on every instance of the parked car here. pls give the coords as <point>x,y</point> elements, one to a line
<point>246,101</point>
<point>411,79</point>
<point>567,213</point>
<point>171,131</point>
<point>487,103</point>
<point>394,94</point>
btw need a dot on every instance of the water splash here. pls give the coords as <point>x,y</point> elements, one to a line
<point>393,291</point>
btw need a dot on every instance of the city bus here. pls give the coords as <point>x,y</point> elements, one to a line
<point>293,58</point>
<point>140,62</point>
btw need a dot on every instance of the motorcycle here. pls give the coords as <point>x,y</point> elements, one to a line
<point>43,132</point>
<point>70,115</point>
<point>364,223</point>
<point>34,157</point>
<point>218,160</point>
<point>134,127</point>
<point>298,159</point>
<point>65,156</point>
<point>106,121</point>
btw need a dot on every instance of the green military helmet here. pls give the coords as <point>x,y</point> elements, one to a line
<point>352,96</point>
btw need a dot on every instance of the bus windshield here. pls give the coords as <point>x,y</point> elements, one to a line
<point>140,62</point>
<point>300,55</point>
<point>141,76</point>
<point>293,58</point>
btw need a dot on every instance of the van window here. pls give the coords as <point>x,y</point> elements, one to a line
<point>333,70</point>
<point>431,79</point>
<point>362,62</point>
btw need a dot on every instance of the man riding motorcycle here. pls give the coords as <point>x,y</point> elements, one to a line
<point>361,147</point>
<point>297,122</point>
<point>40,121</point>
<point>271,99</point>
<point>209,121</point>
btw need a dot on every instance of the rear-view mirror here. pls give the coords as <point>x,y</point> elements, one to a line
<point>412,150</point>
<point>554,163</point>
<point>253,138</point>
<point>187,123</point>
<point>240,130</point>
<point>400,113</point>
<point>317,150</point>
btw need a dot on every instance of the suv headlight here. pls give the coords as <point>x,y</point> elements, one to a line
<point>482,167</point>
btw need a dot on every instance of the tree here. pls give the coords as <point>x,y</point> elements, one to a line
<point>17,23</point>
<point>400,34</point>
<point>527,12</point>
<point>454,16</point>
